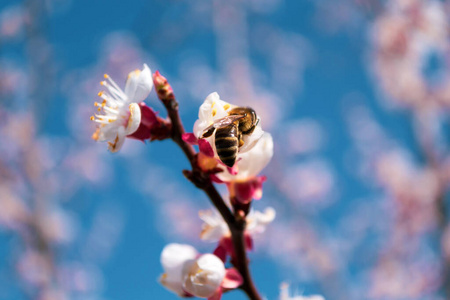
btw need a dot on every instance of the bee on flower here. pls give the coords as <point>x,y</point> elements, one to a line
<point>231,131</point>
<point>231,139</point>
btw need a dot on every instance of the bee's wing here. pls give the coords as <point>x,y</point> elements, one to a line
<point>223,122</point>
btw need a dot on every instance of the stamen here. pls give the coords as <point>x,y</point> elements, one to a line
<point>109,99</point>
<point>214,103</point>
<point>110,110</point>
<point>101,121</point>
<point>115,85</point>
<point>226,106</point>
<point>106,117</point>
<point>214,112</point>
<point>115,90</point>
<point>92,118</point>
<point>106,75</point>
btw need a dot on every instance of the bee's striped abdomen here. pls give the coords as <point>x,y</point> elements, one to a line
<point>227,144</point>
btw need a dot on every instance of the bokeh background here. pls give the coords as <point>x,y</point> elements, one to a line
<point>354,92</point>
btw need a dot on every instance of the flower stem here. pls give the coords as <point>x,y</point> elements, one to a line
<point>202,181</point>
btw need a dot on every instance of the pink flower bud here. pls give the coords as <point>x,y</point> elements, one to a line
<point>163,88</point>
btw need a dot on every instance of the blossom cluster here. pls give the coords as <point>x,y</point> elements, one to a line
<point>407,36</point>
<point>221,128</point>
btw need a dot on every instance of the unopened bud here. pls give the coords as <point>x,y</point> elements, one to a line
<point>162,87</point>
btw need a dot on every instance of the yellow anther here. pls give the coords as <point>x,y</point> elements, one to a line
<point>99,109</point>
<point>103,102</point>
<point>102,82</point>
<point>134,73</point>
<point>100,93</point>
<point>199,271</point>
<point>110,120</point>
<point>96,134</point>
<point>96,104</point>
<point>92,118</point>
<point>226,106</point>
<point>214,112</point>
<point>105,75</point>
<point>214,103</point>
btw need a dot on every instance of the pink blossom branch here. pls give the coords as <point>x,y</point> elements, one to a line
<point>424,137</point>
<point>236,223</point>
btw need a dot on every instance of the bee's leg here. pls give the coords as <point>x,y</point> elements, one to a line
<point>241,141</point>
<point>208,132</point>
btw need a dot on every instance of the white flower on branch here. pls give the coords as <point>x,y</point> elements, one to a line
<point>188,273</point>
<point>121,111</point>
<point>215,228</point>
<point>203,277</point>
<point>173,258</point>
<point>253,155</point>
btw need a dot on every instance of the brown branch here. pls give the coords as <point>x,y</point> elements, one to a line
<point>202,180</point>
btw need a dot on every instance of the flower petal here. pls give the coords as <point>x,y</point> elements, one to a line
<point>233,279</point>
<point>118,141</point>
<point>135,118</point>
<point>257,221</point>
<point>253,161</point>
<point>139,84</point>
<point>174,286</point>
<point>203,276</point>
<point>173,258</point>
<point>212,109</point>
<point>214,227</point>
<point>190,138</point>
<point>205,147</point>
<point>217,295</point>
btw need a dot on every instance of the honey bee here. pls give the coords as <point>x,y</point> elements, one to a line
<point>229,132</point>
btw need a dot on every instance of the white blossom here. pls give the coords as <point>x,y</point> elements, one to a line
<point>173,258</point>
<point>214,227</point>
<point>202,277</point>
<point>121,112</point>
<point>254,154</point>
<point>284,294</point>
<point>187,273</point>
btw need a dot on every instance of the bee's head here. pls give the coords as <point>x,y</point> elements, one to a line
<point>249,122</point>
<point>254,116</point>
